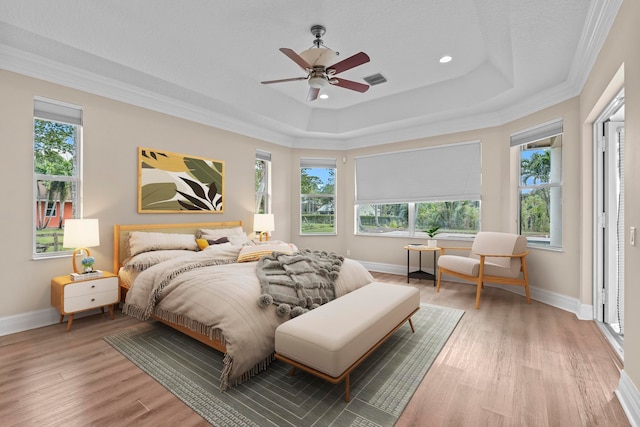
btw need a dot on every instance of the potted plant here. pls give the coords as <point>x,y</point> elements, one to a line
<point>431,232</point>
<point>87,263</point>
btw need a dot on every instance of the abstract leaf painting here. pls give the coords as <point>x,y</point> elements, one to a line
<point>178,183</point>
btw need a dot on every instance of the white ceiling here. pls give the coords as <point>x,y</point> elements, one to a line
<point>204,60</point>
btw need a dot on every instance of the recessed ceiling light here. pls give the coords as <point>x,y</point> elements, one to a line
<point>445,59</point>
<point>323,96</point>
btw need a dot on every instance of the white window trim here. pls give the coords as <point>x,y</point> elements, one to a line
<point>62,112</point>
<point>318,162</point>
<point>535,133</point>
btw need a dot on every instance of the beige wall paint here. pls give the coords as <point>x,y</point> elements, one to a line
<point>619,61</point>
<point>112,132</point>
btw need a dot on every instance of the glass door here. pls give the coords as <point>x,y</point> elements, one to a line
<point>609,230</point>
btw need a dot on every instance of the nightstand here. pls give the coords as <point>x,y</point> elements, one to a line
<point>71,297</point>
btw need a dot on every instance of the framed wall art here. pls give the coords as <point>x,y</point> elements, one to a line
<point>179,183</point>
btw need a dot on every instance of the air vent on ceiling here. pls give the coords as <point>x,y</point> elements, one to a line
<point>375,79</point>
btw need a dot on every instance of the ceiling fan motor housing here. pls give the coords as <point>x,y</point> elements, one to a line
<point>319,56</point>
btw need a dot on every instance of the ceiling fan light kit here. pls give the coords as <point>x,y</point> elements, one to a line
<point>319,74</point>
<point>318,82</point>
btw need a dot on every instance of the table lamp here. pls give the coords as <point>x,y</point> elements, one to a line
<point>263,223</point>
<point>80,234</point>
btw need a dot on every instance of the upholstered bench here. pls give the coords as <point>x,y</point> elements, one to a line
<point>331,340</point>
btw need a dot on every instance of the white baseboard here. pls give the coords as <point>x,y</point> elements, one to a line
<point>35,319</point>
<point>563,302</point>
<point>629,398</point>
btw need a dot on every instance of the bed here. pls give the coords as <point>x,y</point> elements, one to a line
<point>203,280</point>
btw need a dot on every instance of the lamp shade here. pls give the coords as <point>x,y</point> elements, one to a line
<point>263,222</point>
<point>81,233</point>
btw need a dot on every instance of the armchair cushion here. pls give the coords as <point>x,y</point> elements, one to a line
<point>471,266</point>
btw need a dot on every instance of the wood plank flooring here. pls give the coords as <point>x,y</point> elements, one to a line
<point>507,364</point>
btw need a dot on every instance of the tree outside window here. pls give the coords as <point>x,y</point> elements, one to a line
<point>453,218</point>
<point>56,181</point>
<point>317,200</point>
<point>540,191</point>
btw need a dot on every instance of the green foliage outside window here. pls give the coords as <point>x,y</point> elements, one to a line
<point>317,201</point>
<point>55,173</point>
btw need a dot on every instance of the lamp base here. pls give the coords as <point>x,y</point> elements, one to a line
<point>266,236</point>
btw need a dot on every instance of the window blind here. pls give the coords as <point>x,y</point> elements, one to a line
<point>537,133</point>
<point>447,172</point>
<point>263,155</point>
<point>313,162</point>
<point>57,111</point>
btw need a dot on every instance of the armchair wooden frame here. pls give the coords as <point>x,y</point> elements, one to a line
<point>481,278</point>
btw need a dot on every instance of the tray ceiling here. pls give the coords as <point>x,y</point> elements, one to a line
<point>204,60</point>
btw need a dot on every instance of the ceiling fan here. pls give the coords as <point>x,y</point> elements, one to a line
<point>319,74</point>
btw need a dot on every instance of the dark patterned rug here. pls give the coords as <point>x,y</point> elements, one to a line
<point>381,386</point>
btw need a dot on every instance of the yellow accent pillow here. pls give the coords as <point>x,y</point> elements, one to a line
<point>204,243</point>
<point>254,253</point>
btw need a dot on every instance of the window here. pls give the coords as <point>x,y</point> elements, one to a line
<point>51,209</point>
<point>405,193</point>
<point>317,196</point>
<point>57,134</point>
<point>263,182</point>
<point>540,183</point>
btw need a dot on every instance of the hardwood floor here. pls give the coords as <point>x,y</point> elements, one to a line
<point>507,364</point>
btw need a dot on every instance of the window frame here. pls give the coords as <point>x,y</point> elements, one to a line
<point>519,141</point>
<point>318,163</point>
<point>68,114</point>
<point>412,231</point>
<point>265,193</point>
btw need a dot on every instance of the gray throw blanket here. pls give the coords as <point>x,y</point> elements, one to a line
<point>298,282</point>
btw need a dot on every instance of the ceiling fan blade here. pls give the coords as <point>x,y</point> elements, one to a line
<point>349,63</point>
<point>313,94</point>
<point>349,84</point>
<point>293,79</point>
<point>296,58</point>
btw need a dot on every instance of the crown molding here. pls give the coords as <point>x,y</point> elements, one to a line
<point>600,18</point>
<point>28,64</point>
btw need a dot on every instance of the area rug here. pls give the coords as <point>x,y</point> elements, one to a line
<point>381,386</point>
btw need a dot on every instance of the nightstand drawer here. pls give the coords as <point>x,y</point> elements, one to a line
<point>89,287</point>
<point>95,299</point>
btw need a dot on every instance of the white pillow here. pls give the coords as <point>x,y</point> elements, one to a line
<point>224,250</point>
<point>143,241</point>
<point>144,260</point>
<point>238,239</point>
<point>214,233</point>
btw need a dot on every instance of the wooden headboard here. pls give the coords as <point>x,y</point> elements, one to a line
<point>121,234</point>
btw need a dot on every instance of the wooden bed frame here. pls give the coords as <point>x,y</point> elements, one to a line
<point>120,236</point>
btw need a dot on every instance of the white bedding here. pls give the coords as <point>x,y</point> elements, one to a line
<point>220,301</point>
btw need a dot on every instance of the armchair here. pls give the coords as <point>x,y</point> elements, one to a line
<point>494,258</point>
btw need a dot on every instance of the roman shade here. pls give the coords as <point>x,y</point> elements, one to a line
<point>316,162</point>
<point>57,111</point>
<point>546,130</point>
<point>263,155</point>
<point>442,173</point>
